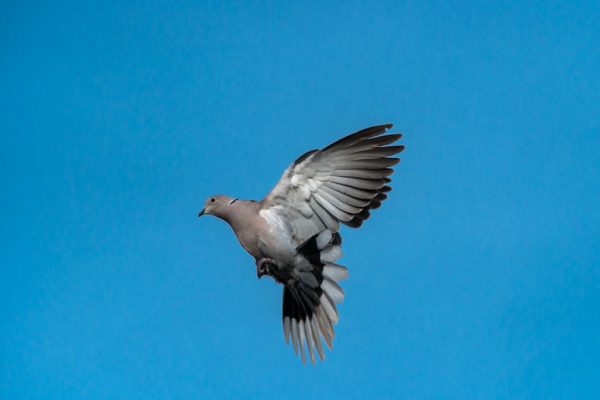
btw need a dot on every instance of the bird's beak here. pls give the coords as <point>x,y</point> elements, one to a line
<point>201,213</point>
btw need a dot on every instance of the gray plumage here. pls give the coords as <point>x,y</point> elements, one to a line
<point>293,232</point>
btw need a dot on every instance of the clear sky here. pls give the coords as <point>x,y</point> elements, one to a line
<point>478,278</point>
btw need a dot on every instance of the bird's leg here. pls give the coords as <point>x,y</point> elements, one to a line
<point>262,267</point>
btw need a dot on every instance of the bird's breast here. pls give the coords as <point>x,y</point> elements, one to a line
<point>275,238</point>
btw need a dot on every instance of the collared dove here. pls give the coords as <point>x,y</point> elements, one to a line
<point>293,232</point>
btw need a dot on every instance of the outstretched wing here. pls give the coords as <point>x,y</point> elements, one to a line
<point>340,183</point>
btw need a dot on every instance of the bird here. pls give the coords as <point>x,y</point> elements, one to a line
<point>293,233</point>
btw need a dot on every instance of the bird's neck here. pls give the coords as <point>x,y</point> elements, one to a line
<point>238,212</point>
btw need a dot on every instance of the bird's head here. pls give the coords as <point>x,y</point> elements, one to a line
<point>217,205</point>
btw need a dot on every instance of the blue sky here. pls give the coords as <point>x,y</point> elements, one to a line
<point>478,278</point>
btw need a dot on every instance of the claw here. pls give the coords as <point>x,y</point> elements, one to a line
<point>262,267</point>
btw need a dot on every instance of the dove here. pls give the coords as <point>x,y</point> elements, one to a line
<point>293,233</point>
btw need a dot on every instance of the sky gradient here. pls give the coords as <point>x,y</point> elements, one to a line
<point>478,278</point>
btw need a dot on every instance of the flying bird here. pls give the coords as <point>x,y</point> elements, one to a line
<point>293,233</point>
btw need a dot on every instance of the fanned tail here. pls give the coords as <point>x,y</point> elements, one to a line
<point>309,302</point>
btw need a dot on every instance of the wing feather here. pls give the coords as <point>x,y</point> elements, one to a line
<point>369,184</point>
<point>353,201</point>
<point>374,174</point>
<point>326,218</point>
<point>365,164</point>
<point>330,208</point>
<point>351,191</point>
<point>338,202</point>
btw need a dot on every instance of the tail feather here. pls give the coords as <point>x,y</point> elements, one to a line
<point>335,272</point>
<point>309,302</point>
<point>335,292</point>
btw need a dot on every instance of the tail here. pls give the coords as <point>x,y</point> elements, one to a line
<point>309,310</point>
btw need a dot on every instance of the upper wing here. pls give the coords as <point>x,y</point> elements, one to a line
<point>339,183</point>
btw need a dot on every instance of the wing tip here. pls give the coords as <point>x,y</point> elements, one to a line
<point>371,131</point>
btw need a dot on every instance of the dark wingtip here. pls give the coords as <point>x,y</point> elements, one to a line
<point>363,133</point>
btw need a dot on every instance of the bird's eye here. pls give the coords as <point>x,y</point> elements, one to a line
<point>212,200</point>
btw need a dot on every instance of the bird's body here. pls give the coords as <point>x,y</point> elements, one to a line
<point>293,232</point>
<point>262,233</point>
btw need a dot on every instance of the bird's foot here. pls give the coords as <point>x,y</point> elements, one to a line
<point>262,267</point>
